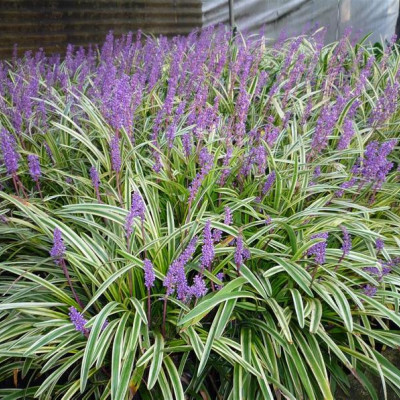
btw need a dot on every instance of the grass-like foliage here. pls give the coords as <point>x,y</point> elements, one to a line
<point>204,217</point>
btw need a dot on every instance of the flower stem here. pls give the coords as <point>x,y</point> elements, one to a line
<point>66,273</point>
<point>148,308</point>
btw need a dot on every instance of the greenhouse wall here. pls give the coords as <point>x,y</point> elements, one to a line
<point>294,17</point>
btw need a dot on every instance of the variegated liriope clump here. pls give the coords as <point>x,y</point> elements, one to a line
<point>204,217</point>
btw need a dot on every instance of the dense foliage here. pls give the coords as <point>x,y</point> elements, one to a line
<point>202,217</point>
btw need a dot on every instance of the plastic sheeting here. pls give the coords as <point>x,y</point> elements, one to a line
<point>294,17</point>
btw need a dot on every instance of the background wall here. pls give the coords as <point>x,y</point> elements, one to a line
<point>52,24</point>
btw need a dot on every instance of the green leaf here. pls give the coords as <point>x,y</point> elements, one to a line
<point>280,316</point>
<point>11,306</point>
<point>219,323</point>
<point>298,306</point>
<point>206,305</point>
<point>343,305</point>
<point>237,382</point>
<point>253,281</point>
<point>89,355</point>
<point>139,308</point>
<point>298,274</point>
<point>117,351</point>
<point>316,314</point>
<point>128,361</point>
<point>391,315</point>
<point>156,362</point>
<point>49,338</point>
<point>174,377</point>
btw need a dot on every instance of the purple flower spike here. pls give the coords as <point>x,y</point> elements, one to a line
<point>10,155</point>
<point>372,270</point>
<point>176,276</point>
<point>379,244</point>
<point>369,290</point>
<point>319,249</point>
<point>239,252</point>
<point>115,154</point>
<point>94,176</point>
<point>348,133</point>
<point>317,171</point>
<point>269,182</point>
<point>346,247</point>
<point>228,216</point>
<point>344,186</point>
<point>77,319</point>
<point>58,249</point>
<point>246,254</point>
<point>137,210</point>
<point>208,247</point>
<point>206,163</point>
<point>220,276</point>
<point>379,273</point>
<point>198,289</point>
<point>149,276</point>
<point>374,167</point>
<point>138,205</point>
<point>34,167</point>
<point>217,235</point>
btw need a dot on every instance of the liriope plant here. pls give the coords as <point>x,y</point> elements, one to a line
<point>199,218</point>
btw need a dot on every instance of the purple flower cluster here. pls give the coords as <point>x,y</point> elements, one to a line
<point>345,185</point>
<point>241,253</point>
<point>226,170</point>
<point>206,163</point>
<point>238,257</point>
<point>374,166</point>
<point>149,275</point>
<point>346,246</point>
<point>118,104</point>
<point>115,154</point>
<point>347,135</point>
<point>58,249</point>
<point>217,235</point>
<point>94,176</point>
<point>228,219</point>
<point>219,276</point>
<point>316,175</point>
<point>199,288</point>
<point>325,124</point>
<point>10,154</point>
<point>78,320</point>
<point>318,250</point>
<point>269,183</point>
<point>208,253</point>
<point>379,244</point>
<point>34,167</point>
<point>176,276</point>
<point>386,104</point>
<point>369,290</point>
<point>380,273</point>
<point>137,210</point>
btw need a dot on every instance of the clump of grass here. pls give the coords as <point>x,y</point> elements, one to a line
<point>203,216</point>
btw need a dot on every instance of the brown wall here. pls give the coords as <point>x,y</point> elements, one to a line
<point>52,24</point>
